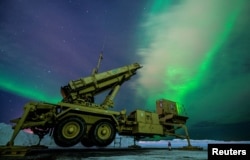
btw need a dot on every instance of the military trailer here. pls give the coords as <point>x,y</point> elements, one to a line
<point>77,118</point>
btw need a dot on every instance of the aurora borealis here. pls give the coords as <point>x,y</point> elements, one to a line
<point>188,64</point>
<point>195,52</point>
<point>182,45</point>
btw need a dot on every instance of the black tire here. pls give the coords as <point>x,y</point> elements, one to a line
<point>69,131</point>
<point>87,142</point>
<point>103,133</point>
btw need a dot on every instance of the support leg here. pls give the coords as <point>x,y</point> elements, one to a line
<point>187,136</point>
<point>19,125</point>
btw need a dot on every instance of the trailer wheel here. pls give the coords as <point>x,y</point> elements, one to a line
<point>69,131</point>
<point>103,133</point>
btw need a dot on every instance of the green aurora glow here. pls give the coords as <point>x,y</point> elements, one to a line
<point>208,60</point>
<point>12,85</point>
<point>193,82</point>
<point>158,7</point>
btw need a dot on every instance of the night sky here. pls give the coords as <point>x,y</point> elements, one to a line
<point>195,52</point>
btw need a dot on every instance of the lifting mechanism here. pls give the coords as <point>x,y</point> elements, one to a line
<point>77,118</point>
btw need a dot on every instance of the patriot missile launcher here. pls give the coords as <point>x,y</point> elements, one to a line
<point>78,118</point>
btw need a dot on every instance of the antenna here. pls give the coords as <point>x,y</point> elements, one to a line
<point>95,70</point>
<point>99,61</point>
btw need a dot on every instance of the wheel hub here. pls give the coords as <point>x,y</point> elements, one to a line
<point>104,132</point>
<point>71,130</point>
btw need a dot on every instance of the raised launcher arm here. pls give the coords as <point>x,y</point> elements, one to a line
<point>84,89</point>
